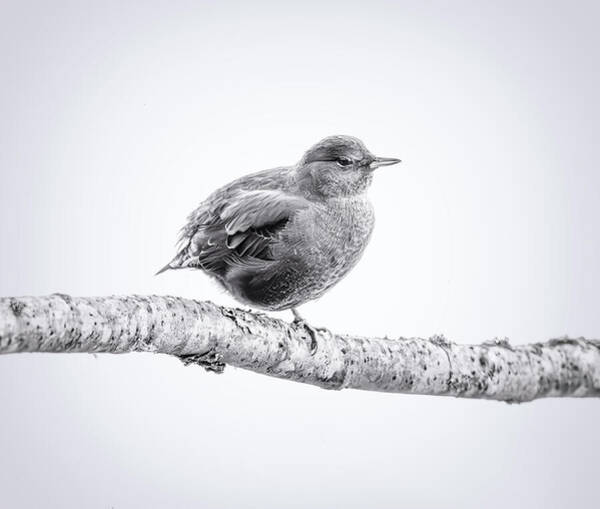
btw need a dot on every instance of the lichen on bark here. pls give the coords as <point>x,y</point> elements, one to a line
<point>213,336</point>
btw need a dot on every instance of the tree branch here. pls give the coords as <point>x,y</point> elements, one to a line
<point>210,335</point>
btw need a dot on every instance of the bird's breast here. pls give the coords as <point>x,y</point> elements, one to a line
<point>343,229</point>
<point>318,247</point>
<point>329,239</point>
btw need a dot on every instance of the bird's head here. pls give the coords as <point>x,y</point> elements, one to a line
<point>339,166</point>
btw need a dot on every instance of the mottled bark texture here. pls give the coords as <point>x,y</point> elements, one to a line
<point>210,335</point>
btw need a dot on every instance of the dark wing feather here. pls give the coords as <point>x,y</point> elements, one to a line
<point>237,231</point>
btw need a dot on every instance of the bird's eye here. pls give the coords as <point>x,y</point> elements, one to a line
<point>344,161</point>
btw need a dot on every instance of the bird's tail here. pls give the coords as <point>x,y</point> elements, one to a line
<point>179,262</point>
<point>164,269</point>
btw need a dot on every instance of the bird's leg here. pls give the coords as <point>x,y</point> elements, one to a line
<point>312,332</point>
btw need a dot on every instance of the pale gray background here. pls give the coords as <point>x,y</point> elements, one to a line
<point>118,118</point>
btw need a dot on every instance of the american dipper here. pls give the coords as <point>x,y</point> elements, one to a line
<point>280,237</point>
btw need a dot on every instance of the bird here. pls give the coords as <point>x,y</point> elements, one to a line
<point>278,238</point>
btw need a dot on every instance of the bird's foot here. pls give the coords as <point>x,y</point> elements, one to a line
<point>210,361</point>
<point>312,331</point>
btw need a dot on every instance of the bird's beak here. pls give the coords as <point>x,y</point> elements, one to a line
<point>383,161</point>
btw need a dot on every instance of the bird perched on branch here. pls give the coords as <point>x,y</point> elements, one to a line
<point>278,238</point>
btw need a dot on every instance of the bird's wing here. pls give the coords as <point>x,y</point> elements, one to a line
<point>237,229</point>
<point>257,209</point>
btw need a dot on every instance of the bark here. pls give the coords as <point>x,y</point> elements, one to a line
<point>213,336</point>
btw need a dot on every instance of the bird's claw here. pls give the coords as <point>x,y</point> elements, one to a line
<point>312,332</point>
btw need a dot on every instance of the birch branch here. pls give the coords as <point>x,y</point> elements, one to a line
<point>213,336</point>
